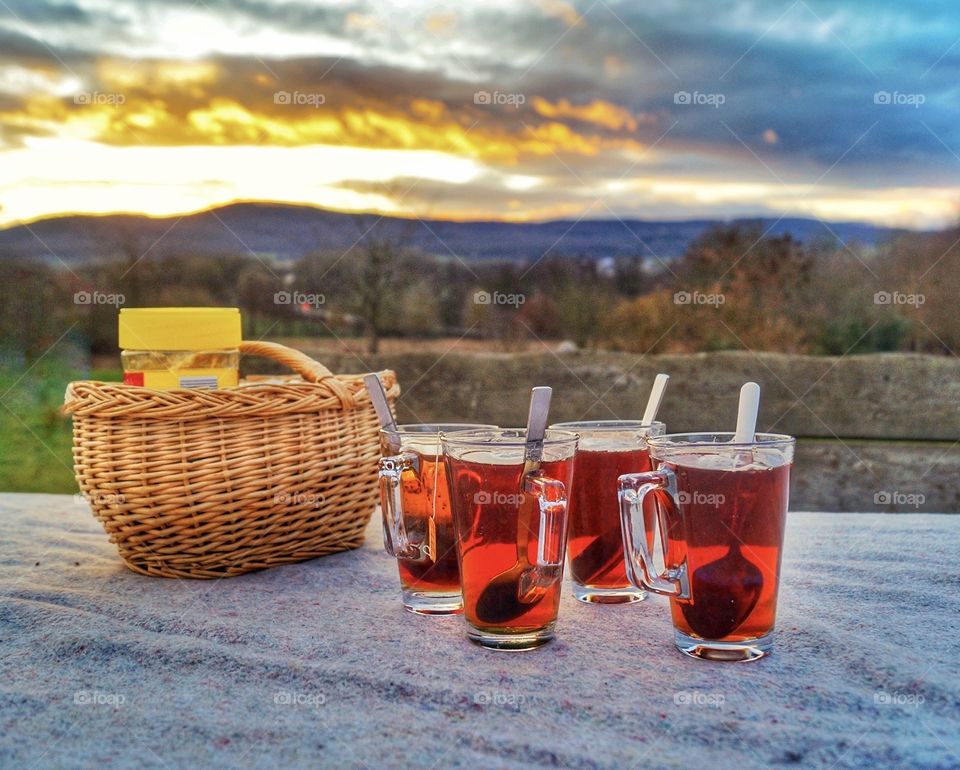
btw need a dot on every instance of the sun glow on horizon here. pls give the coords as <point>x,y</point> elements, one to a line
<point>52,176</point>
<point>516,112</point>
<point>59,176</point>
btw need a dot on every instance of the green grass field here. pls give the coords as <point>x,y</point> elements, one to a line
<point>35,439</point>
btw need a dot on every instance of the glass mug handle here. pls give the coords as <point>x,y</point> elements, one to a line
<point>396,541</point>
<point>632,490</point>
<point>551,498</point>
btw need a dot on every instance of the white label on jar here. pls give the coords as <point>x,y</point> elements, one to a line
<point>198,382</point>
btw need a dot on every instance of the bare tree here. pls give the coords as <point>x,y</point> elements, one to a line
<point>381,275</point>
<point>377,267</point>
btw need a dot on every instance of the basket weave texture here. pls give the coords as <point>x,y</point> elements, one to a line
<point>214,483</point>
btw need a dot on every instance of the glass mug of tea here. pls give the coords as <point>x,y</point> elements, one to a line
<point>722,509</point>
<point>417,523</point>
<point>511,532</point>
<point>608,449</point>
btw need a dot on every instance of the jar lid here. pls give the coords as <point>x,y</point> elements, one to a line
<point>180,328</point>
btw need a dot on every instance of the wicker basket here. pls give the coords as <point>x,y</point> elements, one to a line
<point>213,483</point>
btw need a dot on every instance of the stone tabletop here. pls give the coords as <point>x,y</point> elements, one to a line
<point>316,664</point>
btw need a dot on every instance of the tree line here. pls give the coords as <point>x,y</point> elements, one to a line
<point>735,287</point>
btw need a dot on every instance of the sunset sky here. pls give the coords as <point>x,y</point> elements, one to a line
<point>494,110</point>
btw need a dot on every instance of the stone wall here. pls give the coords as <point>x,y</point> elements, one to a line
<point>877,433</point>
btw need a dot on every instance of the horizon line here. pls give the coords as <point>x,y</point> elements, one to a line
<point>454,220</point>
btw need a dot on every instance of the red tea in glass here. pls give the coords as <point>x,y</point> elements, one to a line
<point>721,596</point>
<point>607,450</point>
<point>511,533</point>
<point>417,520</point>
<point>722,533</point>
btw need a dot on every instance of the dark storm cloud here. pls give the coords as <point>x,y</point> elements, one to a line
<point>47,13</point>
<point>799,80</point>
<point>295,16</point>
<point>814,88</point>
<point>486,198</point>
<point>16,47</point>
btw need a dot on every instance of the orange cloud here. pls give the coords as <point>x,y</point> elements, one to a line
<point>598,112</point>
<point>161,103</point>
<point>561,10</point>
<point>440,23</point>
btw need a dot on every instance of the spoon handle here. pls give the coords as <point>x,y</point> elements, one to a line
<point>379,398</point>
<point>656,396</point>
<point>532,455</point>
<point>747,411</point>
<point>536,429</point>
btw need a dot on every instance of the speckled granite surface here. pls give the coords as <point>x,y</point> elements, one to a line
<point>316,665</point>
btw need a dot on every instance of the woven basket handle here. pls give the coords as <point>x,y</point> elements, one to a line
<point>306,367</point>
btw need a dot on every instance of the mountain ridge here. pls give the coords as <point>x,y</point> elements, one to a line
<point>286,232</point>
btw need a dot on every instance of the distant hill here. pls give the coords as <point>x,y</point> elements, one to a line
<point>286,232</point>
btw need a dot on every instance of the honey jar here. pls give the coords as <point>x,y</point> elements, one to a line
<point>167,348</point>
